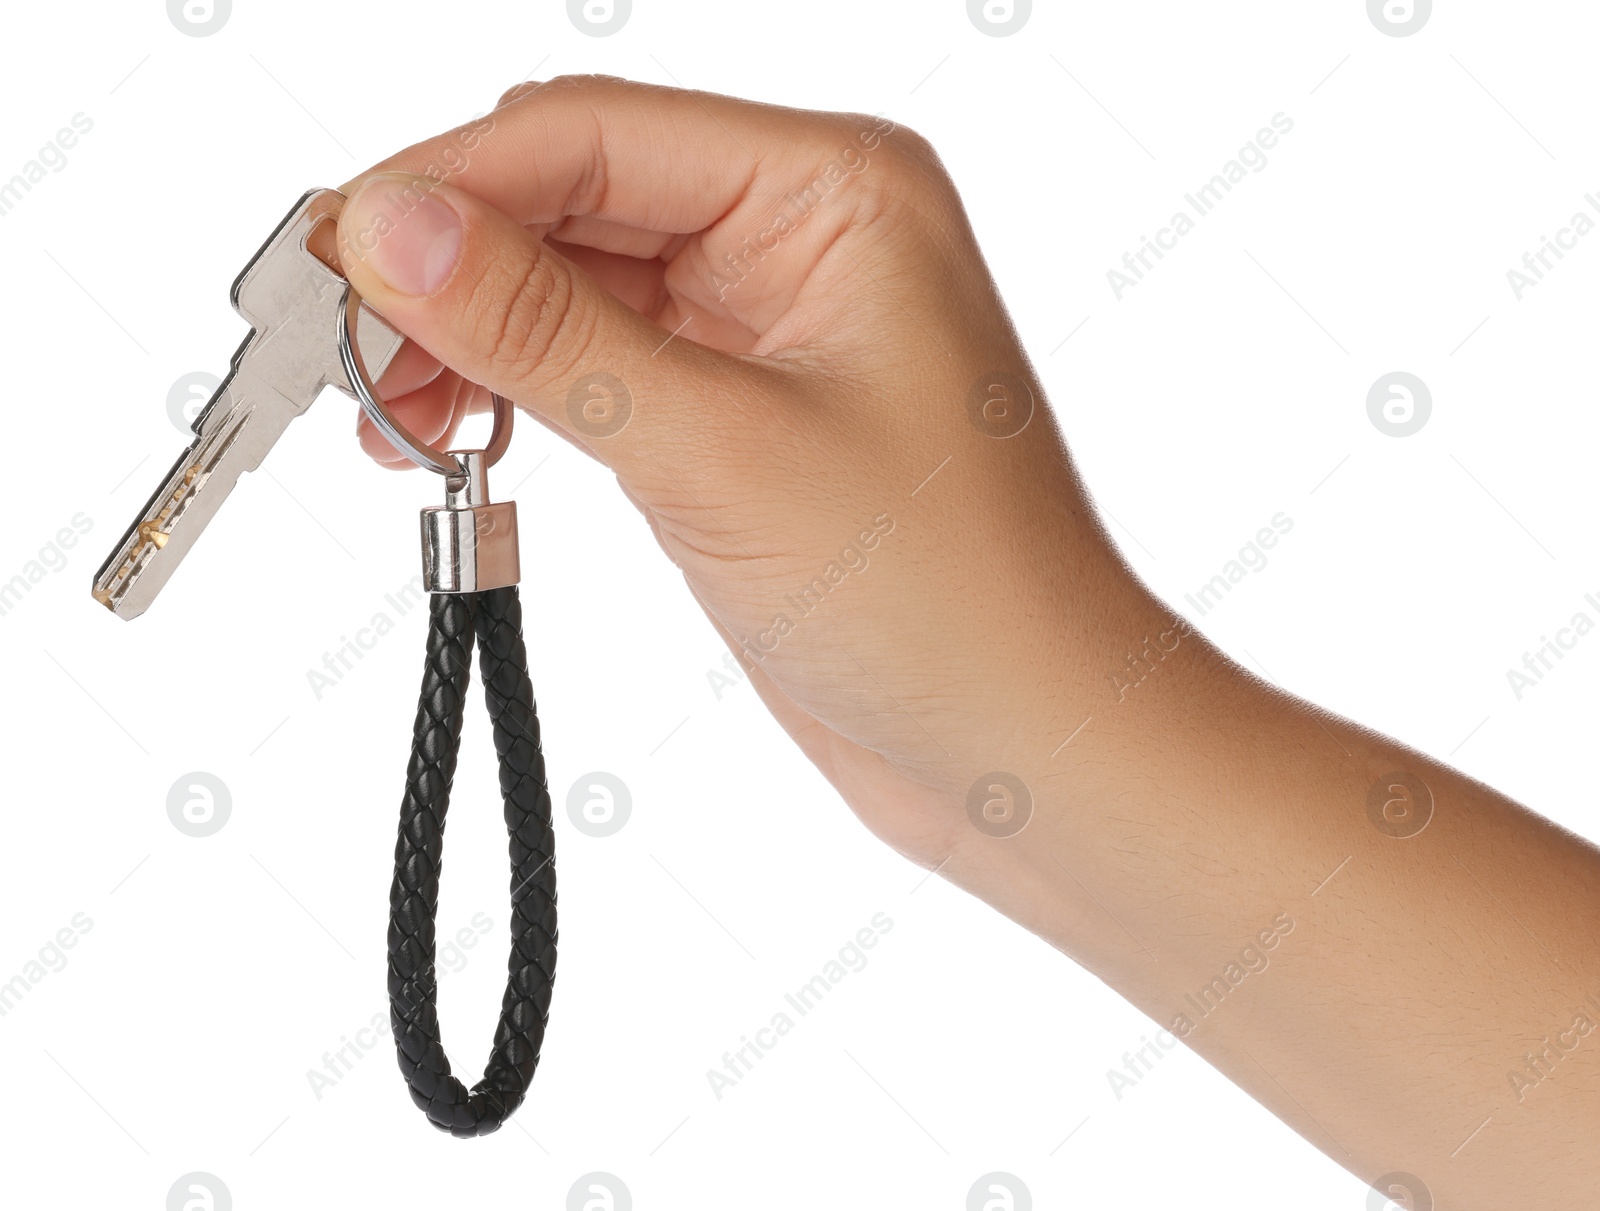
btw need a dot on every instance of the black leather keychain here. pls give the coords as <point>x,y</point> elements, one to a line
<point>309,330</point>
<point>470,568</point>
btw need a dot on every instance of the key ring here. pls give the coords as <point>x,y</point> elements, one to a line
<point>355,369</point>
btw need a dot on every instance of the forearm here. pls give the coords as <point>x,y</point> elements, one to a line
<point>1217,853</point>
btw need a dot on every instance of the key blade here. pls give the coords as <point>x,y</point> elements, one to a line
<point>242,424</point>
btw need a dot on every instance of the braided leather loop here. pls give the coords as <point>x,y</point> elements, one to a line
<point>496,617</point>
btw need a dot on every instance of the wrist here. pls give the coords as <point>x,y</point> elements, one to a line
<point>1097,809</point>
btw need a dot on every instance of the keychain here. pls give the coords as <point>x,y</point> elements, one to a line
<point>310,329</point>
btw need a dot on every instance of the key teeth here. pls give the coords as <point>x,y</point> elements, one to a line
<point>118,606</point>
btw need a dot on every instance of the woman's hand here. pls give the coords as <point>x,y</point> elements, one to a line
<point>776,327</point>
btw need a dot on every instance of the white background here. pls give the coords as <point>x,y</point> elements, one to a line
<point>1228,386</point>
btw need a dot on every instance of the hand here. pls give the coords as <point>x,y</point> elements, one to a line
<point>835,434</point>
<point>833,430</point>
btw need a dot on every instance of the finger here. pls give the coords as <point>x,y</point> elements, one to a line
<point>670,163</point>
<point>603,235</point>
<point>461,407</point>
<point>500,307</point>
<point>743,201</point>
<point>426,413</point>
<point>641,284</point>
<point>409,370</point>
<point>593,145</point>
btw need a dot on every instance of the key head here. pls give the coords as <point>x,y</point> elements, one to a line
<point>292,301</point>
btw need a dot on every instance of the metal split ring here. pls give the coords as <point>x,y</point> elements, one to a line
<point>355,369</point>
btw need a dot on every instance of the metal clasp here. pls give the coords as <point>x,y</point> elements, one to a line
<point>468,544</point>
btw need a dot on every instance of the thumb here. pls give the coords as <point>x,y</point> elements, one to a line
<point>494,303</point>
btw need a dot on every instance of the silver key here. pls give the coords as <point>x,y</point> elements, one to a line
<point>295,306</point>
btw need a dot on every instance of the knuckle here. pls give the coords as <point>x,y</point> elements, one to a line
<point>570,82</point>
<point>527,319</point>
<point>591,81</point>
<point>516,92</point>
<point>900,159</point>
<point>913,177</point>
<point>909,152</point>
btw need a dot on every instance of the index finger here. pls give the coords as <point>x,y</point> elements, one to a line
<point>637,155</point>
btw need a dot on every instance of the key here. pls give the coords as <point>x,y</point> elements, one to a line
<point>294,305</point>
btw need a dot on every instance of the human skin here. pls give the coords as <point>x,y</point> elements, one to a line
<point>856,371</point>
